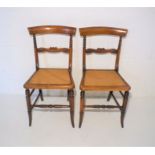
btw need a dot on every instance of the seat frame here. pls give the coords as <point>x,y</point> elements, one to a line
<point>92,31</point>
<point>51,29</point>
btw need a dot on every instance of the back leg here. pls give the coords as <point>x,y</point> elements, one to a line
<point>109,96</point>
<point>41,94</point>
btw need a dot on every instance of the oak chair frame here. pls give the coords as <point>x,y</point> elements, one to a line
<point>51,29</point>
<point>94,31</point>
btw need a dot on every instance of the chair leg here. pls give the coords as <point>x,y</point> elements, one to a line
<point>82,106</point>
<point>71,102</point>
<point>109,96</point>
<point>41,94</point>
<point>29,107</point>
<point>125,100</point>
<point>67,95</point>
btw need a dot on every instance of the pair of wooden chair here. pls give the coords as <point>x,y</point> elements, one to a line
<point>92,80</point>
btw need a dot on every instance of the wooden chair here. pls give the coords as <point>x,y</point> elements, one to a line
<point>103,80</point>
<point>51,78</point>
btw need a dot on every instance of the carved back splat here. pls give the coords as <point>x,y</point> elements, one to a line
<point>48,29</point>
<point>92,31</point>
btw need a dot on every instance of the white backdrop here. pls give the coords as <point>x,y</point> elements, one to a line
<point>138,52</point>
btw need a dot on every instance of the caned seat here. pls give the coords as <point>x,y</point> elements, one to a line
<point>50,79</point>
<point>105,80</point>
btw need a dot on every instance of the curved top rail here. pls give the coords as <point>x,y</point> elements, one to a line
<point>90,31</point>
<point>49,29</point>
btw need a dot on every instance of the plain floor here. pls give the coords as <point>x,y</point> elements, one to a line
<point>53,127</point>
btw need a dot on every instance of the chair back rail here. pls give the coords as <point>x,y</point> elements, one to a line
<point>93,31</point>
<point>49,29</point>
<point>90,31</point>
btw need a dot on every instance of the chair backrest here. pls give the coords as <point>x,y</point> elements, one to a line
<point>52,29</point>
<point>93,31</point>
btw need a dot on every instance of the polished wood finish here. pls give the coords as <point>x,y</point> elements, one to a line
<point>71,104</point>
<point>89,31</point>
<point>118,54</point>
<point>51,78</point>
<point>101,106</point>
<point>82,107</point>
<point>103,80</point>
<point>41,94</point>
<point>29,106</point>
<point>109,96</point>
<point>101,51</point>
<point>123,110</point>
<point>36,52</point>
<point>48,29</point>
<point>51,106</point>
<point>53,49</point>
